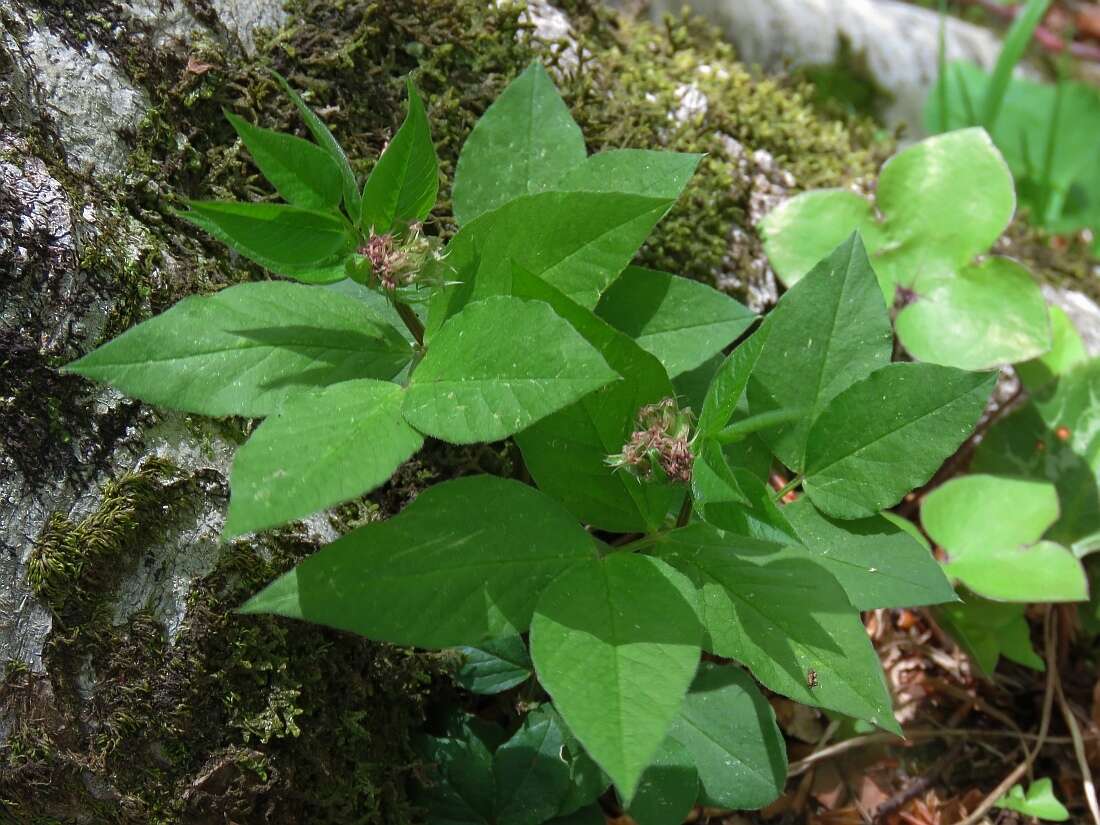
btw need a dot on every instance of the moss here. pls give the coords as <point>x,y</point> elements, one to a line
<point>71,560</point>
<point>242,718</point>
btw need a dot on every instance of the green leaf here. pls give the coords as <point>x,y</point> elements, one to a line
<point>325,139</point>
<point>495,665</point>
<point>978,317</point>
<point>712,479</point>
<point>321,448</point>
<point>656,174</point>
<point>667,789</point>
<point>682,322</point>
<point>943,202</point>
<point>727,387</point>
<point>616,645</point>
<point>459,790</point>
<point>729,729</point>
<point>531,777</point>
<point>246,349</point>
<point>877,563</point>
<point>946,200</point>
<point>1041,572</point>
<point>496,368</point>
<point>971,513</point>
<point>780,612</point>
<point>806,228</point>
<point>829,331</point>
<point>302,172</point>
<point>592,815</point>
<point>1053,437</point>
<point>521,145</point>
<point>587,780</point>
<point>1067,351</point>
<point>566,452</point>
<point>577,241</point>
<point>403,185</point>
<point>987,630</point>
<point>991,528</point>
<point>889,433</point>
<point>756,516</point>
<point>1039,801</point>
<point>464,562</point>
<point>287,240</point>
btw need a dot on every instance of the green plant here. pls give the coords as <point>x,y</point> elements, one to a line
<point>1045,131</point>
<point>649,536</point>
<point>1039,801</point>
<point>938,206</point>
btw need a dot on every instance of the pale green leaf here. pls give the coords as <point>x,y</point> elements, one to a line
<point>970,513</point>
<point>888,434</point>
<point>246,349</point>
<point>521,145</point>
<point>1039,801</point>
<point>803,230</point>
<point>616,645</point>
<point>499,366</point>
<point>320,449</point>
<point>1041,572</point>
<point>780,612</point>
<point>829,331</point>
<point>302,172</point>
<point>976,318</point>
<point>729,729</point>
<point>682,322</point>
<point>1066,352</point>
<point>464,562</point>
<point>877,563</point>
<point>403,185</point>
<point>1054,437</point>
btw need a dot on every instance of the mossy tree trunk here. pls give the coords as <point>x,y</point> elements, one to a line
<point>131,692</point>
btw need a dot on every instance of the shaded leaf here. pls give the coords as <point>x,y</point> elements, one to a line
<point>321,448</point>
<point>246,349</point>
<point>494,665</point>
<point>464,562</point>
<point>616,645</point>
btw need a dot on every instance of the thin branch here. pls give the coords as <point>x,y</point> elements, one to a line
<point>1018,772</point>
<point>1079,751</point>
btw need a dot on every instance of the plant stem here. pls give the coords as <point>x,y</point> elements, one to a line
<point>412,323</point>
<point>740,429</point>
<point>685,511</point>
<point>790,485</point>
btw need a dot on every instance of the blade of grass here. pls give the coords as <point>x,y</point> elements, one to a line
<point>1016,42</point>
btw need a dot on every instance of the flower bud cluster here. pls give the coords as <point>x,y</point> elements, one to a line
<point>661,442</point>
<point>395,261</point>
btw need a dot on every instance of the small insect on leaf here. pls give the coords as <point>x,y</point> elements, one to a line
<point>811,678</point>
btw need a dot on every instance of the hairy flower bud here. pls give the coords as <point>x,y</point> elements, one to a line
<point>660,443</point>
